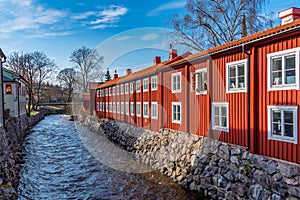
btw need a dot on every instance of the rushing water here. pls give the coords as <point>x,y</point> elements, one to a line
<point>58,166</point>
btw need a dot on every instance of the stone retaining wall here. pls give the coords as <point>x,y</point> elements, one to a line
<point>216,169</point>
<point>11,156</point>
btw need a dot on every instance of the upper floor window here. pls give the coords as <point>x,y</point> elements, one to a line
<point>131,87</point>
<point>145,84</point>
<point>236,76</point>
<point>201,81</point>
<point>138,86</point>
<point>146,109</point>
<point>114,91</point>
<point>283,70</point>
<point>154,110</point>
<point>122,89</point>
<point>110,92</point>
<point>176,112</point>
<point>154,83</point>
<point>126,88</point>
<point>282,123</point>
<point>106,91</point>
<point>220,116</point>
<point>117,88</point>
<point>176,82</point>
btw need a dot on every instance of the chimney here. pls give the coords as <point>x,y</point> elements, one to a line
<point>289,15</point>
<point>128,71</point>
<point>157,60</point>
<point>116,75</point>
<point>172,54</point>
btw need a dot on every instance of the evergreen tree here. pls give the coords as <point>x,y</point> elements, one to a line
<point>107,75</point>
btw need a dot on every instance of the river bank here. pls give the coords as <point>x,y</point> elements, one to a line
<point>215,169</point>
<point>11,139</point>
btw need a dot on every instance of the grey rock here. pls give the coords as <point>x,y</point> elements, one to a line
<point>271,167</point>
<point>239,189</point>
<point>234,159</point>
<point>288,170</point>
<point>229,176</point>
<point>236,151</point>
<point>257,192</point>
<point>275,197</point>
<point>295,191</point>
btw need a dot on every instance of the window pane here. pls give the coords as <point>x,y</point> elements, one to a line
<point>232,82</point>
<point>276,129</point>
<point>224,122</point>
<point>276,116</point>
<point>232,71</point>
<point>241,82</point>
<point>216,121</point>
<point>290,62</point>
<point>288,116</point>
<point>241,70</point>
<point>178,108</point>
<point>277,78</point>
<point>290,77</point>
<point>277,64</point>
<point>223,111</point>
<point>288,130</point>
<point>216,110</point>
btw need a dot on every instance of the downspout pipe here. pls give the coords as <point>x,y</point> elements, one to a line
<point>248,93</point>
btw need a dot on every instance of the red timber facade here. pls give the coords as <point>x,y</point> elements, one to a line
<point>245,92</point>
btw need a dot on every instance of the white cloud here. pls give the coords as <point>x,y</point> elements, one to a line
<point>150,36</point>
<point>84,15</point>
<point>121,38</point>
<point>167,6</point>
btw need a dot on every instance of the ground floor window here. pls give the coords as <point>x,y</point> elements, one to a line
<point>176,112</point>
<point>154,110</point>
<point>122,107</point>
<point>146,109</point>
<point>282,123</point>
<point>126,108</point>
<point>138,109</point>
<point>220,119</point>
<point>132,108</point>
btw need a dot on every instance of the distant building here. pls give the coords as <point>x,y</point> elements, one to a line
<point>14,90</point>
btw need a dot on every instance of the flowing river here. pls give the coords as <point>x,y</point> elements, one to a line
<point>59,166</point>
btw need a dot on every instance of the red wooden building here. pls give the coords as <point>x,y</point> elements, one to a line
<point>245,92</point>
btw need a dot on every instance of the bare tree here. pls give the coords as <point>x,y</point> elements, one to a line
<point>88,61</point>
<point>67,78</point>
<point>209,23</point>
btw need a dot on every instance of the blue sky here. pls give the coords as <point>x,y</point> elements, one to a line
<point>119,28</point>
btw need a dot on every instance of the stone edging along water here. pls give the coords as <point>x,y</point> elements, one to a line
<point>11,139</point>
<point>218,170</point>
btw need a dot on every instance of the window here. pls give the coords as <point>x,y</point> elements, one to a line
<point>122,107</point>
<point>117,90</point>
<point>126,88</point>
<point>176,112</point>
<point>282,123</point>
<point>118,107</point>
<point>146,109</point>
<point>138,86</point>
<point>283,70</point>
<point>201,81</point>
<point>106,91</point>
<point>145,85</point>
<point>122,89</point>
<point>154,110</point>
<point>109,94</point>
<point>126,108</point>
<point>106,106</point>
<point>154,83</point>
<point>98,106</point>
<point>131,87</point>
<point>110,107</point>
<point>236,76</point>
<point>114,107</point>
<point>138,109</point>
<point>220,116</point>
<point>132,108</point>
<point>114,91</point>
<point>176,82</point>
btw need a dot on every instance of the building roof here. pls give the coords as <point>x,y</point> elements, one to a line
<point>295,25</point>
<point>11,75</point>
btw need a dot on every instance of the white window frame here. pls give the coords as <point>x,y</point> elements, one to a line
<point>122,108</point>
<point>146,105</point>
<point>127,108</point>
<point>118,90</point>
<point>281,54</point>
<point>198,73</point>
<point>152,113</point>
<point>220,104</point>
<point>282,138</point>
<point>106,92</point>
<point>132,109</point>
<point>131,87</point>
<point>146,83</point>
<point>138,109</point>
<point>114,91</point>
<point>109,92</point>
<point>154,79</point>
<point>235,63</point>
<point>114,107</point>
<point>122,89</point>
<point>138,86</point>
<point>176,90</point>
<point>106,106</point>
<point>176,120</point>
<point>110,107</point>
<point>126,88</point>
<point>118,107</point>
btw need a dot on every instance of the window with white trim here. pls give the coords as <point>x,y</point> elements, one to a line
<point>106,106</point>
<point>131,87</point>
<point>122,89</point>
<point>98,106</point>
<point>176,82</point>
<point>122,107</point>
<point>201,81</point>
<point>106,91</point>
<point>138,86</point>
<point>110,107</point>
<point>126,108</point>
<point>154,83</point>
<point>114,107</point>
<point>154,110</point>
<point>98,93</point>
<point>118,107</point>
<point>176,112</point>
<point>282,123</point>
<point>146,109</point>
<point>114,91</point>
<point>236,76</point>
<point>138,109</point>
<point>126,88</point>
<point>132,108</point>
<point>283,69</point>
<point>118,89</point>
<point>219,115</point>
<point>109,94</point>
<point>145,85</point>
